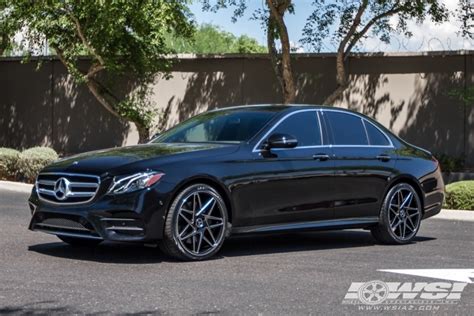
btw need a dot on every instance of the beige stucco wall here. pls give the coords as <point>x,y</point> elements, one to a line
<point>408,93</point>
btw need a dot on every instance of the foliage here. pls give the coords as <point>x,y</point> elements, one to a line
<point>460,195</point>
<point>210,39</point>
<point>121,37</point>
<point>33,160</point>
<point>465,95</point>
<point>342,20</point>
<point>449,163</point>
<point>465,14</point>
<point>347,22</point>
<point>8,160</point>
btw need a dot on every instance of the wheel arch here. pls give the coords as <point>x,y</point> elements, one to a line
<point>211,181</point>
<point>411,180</point>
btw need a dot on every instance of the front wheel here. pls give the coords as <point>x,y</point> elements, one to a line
<point>196,224</point>
<point>80,242</point>
<point>400,216</point>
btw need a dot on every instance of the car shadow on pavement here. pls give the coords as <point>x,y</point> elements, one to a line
<point>108,252</point>
<point>303,241</point>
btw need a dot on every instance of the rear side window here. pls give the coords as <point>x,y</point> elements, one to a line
<point>376,137</point>
<point>304,126</point>
<point>346,129</point>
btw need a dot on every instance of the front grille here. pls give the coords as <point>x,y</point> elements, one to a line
<point>67,188</point>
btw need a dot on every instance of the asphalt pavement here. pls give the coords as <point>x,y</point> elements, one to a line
<point>301,273</point>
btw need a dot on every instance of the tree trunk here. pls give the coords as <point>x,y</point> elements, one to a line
<point>341,79</point>
<point>143,133</point>
<point>281,64</point>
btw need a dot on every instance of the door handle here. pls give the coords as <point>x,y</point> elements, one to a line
<point>321,157</point>
<point>383,157</point>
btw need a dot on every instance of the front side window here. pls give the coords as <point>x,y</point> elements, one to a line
<point>302,125</point>
<point>346,129</point>
<point>218,126</point>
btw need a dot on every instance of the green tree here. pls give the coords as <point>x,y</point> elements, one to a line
<point>348,22</point>
<point>210,39</point>
<point>124,39</point>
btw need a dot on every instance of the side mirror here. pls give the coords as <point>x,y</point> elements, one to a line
<point>281,141</point>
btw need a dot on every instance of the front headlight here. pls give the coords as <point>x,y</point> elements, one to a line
<point>134,182</point>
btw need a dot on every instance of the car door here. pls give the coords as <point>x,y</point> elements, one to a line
<point>364,160</point>
<point>291,184</point>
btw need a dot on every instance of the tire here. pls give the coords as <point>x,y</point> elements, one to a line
<point>80,242</point>
<point>400,216</point>
<point>196,224</point>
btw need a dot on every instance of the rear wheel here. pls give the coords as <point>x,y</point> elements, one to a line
<point>196,224</point>
<point>80,242</point>
<point>400,216</point>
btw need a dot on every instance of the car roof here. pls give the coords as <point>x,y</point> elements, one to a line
<point>279,107</point>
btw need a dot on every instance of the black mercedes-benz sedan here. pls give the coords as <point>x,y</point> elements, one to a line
<point>241,170</point>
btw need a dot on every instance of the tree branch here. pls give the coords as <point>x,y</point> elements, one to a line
<point>359,35</point>
<point>84,40</point>
<point>354,25</point>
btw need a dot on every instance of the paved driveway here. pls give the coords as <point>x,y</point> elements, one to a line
<point>305,273</point>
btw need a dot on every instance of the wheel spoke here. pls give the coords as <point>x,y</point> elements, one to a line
<point>213,218</point>
<point>216,225</point>
<point>208,203</point>
<point>211,234</point>
<point>191,234</point>
<point>199,242</point>
<point>185,218</point>
<point>207,240</point>
<point>184,230</point>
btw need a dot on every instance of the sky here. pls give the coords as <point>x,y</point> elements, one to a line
<point>426,37</point>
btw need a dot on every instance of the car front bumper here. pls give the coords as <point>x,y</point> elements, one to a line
<point>136,217</point>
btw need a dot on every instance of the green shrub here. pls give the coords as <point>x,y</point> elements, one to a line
<point>460,195</point>
<point>33,160</point>
<point>8,160</point>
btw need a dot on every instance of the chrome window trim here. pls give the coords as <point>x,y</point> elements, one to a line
<point>71,175</point>
<point>321,111</point>
<point>255,150</point>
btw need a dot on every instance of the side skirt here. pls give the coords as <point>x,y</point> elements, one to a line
<point>345,223</point>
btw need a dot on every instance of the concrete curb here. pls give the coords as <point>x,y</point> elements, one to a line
<point>454,215</point>
<point>15,186</point>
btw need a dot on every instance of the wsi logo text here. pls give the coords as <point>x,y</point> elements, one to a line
<point>413,293</point>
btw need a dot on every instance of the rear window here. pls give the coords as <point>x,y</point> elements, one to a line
<point>376,137</point>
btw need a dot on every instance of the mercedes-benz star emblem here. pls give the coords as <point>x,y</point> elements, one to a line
<point>62,189</point>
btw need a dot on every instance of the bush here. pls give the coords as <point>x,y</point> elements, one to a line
<point>8,160</point>
<point>33,160</point>
<point>460,195</point>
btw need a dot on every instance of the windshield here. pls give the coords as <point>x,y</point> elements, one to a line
<point>218,126</point>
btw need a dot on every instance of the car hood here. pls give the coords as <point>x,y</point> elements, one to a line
<point>105,161</point>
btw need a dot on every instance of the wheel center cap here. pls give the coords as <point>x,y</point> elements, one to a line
<point>402,214</point>
<point>199,223</point>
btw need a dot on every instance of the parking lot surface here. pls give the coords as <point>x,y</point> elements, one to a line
<point>301,273</point>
